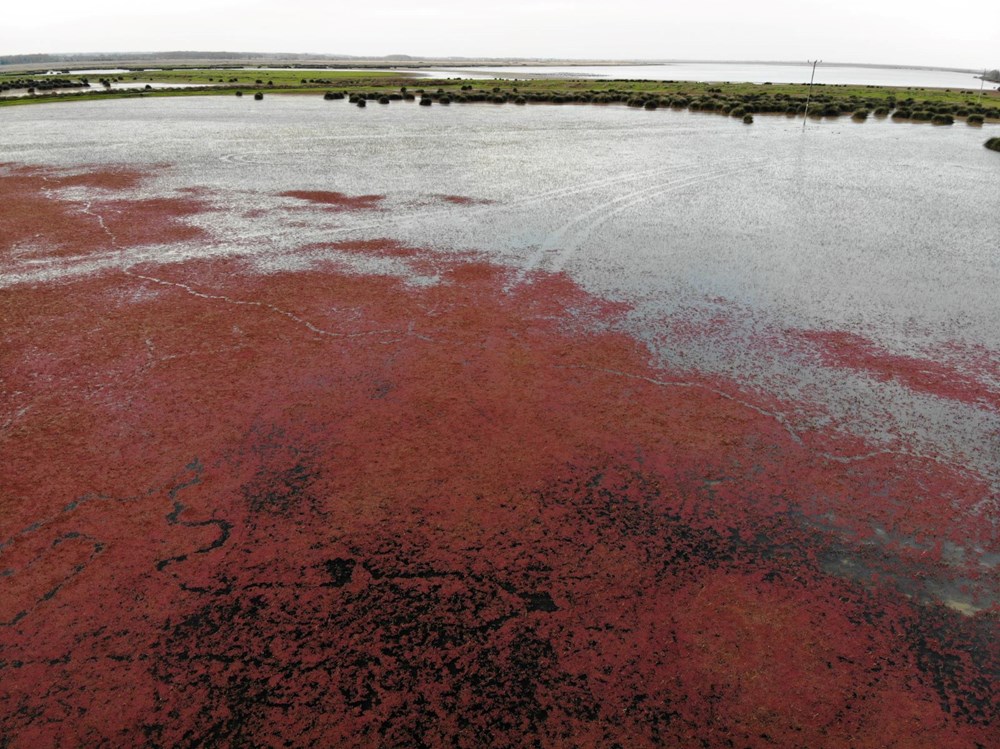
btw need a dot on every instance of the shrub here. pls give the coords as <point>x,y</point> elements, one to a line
<point>519,100</point>
<point>239,93</point>
<point>651,105</point>
<point>901,114</point>
<point>881,112</point>
<point>444,100</point>
<point>362,103</point>
<point>861,114</point>
<point>425,101</point>
<point>993,144</point>
<point>943,119</point>
<point>383,100</point>
<point>748,119</point>
<point>975,119</point>
<point>922,115</point>
<point>258,96</point>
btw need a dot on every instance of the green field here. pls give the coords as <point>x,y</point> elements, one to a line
<point>721,97</point>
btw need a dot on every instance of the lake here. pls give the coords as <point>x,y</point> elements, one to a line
<point>711,72</point>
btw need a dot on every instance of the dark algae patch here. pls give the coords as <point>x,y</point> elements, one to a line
<point>337,200</point>
<point>463,513</point>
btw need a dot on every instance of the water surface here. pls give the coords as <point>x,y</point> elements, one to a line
<point>720,72</point>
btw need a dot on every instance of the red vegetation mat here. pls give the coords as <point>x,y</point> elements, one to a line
<point>843,349</point>
<point>38,221</point>
<point>463,200</point>
<point>315,508</point>
<point>337,200</point>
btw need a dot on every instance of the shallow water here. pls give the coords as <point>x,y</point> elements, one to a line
<point>734,72</point>
<point>97,88</point>
<point>878,228</point>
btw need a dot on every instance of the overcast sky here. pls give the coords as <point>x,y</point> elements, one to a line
<point>956,33</point>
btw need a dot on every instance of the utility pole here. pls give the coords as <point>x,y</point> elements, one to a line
<point>982,83</point>
<point>805,115</point>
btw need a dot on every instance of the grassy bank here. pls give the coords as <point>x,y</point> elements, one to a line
<point>740,99</point>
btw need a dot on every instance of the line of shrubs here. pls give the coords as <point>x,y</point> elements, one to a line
<point>43,84</point>
<point>713,100</point>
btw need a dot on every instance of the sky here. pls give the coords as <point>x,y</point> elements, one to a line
<point>957,33</point>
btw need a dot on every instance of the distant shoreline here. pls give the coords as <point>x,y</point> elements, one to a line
<point>19,63</point>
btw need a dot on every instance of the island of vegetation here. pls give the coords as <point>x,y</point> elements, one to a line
<point>936,106</point>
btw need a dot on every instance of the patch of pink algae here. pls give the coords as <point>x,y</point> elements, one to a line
<point>850,350</point>
<point>337,200</point>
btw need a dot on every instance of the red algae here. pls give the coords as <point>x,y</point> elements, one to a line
<point>39,221</point>
<point>845,349</point>
<point>316,507</point>
<point>337,200</point>
<point>463,200</point>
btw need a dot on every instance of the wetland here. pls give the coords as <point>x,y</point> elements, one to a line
<point>487,424</point>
